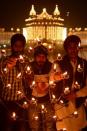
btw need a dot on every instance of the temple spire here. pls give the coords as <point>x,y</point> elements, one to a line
<point>32,11</point>
<point>56,11</point>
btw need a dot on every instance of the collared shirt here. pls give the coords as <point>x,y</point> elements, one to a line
<point>12,83</point>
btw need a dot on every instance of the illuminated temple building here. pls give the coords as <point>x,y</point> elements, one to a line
<point>44,26</point>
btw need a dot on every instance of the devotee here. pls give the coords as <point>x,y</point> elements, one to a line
<point>70,109</point>
<point>41,110</point>
<point>13,72</point>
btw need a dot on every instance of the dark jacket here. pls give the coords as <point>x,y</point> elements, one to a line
<point>80,76</point>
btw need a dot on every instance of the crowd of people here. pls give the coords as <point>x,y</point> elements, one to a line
<point>43,95</point>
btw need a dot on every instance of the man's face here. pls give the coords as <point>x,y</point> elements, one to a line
<point>72,50</point>
<point>40,59</point>
<point>17,48</point>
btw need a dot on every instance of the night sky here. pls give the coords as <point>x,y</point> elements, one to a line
<point>14,12</point>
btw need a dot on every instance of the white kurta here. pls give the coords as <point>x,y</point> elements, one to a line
<point>67,121</point>
<point>70,122</point>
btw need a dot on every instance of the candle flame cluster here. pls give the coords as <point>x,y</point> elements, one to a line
<point>52,85</point>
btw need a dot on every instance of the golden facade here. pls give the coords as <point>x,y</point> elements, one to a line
<point>45,26</point>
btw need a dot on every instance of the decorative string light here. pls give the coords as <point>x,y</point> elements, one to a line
<point>43,109</point>
<point>3,52</point>
<point>65,75</point>
<point>19,93</point>
<point>5,70</point>
<point>28,70</point>
<point>25,104</point>
<point>14,116</point>
<point>54,117</point>
<point>59,57</point>
<point>51,85</point>
<point>63,129</point>
<point>30,49</point>
<point>75,114</point>
<point>19,75</point>
<point>21,59</point>
<point>36,118</point>
<point>54,99</point>
<point>79,68</point>
<point>8,86</point>
<point>76,86</point>
<point>55,67</point>
<point>66,90</point>
<point>33,100</point>
<point>33,84</point>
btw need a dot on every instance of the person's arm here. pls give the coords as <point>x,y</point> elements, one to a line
<point>82,92</point>
<point>11,62</point>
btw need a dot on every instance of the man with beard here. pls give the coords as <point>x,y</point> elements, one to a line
<point>41,110</point>
<point>12,75</point>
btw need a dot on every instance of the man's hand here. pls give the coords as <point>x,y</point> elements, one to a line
<point>11,62</point>
<point>71,96</point>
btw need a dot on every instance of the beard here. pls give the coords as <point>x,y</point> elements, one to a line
<point>41,64</point>
<point>16,53</point>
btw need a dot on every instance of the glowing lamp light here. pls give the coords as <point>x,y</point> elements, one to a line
<point>79,68</point>
<point>33,100</point>
<point>66,90</point>
<point>4,45</point>
<point>43,109</point>
<point>25,102</point>
<point>19,75</point>
<point>76,85</point>
<point>8,86</point>
<point>21,59</point>
<point>33,84</point>
<point>28,70</point>
<point>79,44</point>
<point>3,51</point>
<point>75,114</point>
<point>19,92</point>
<point>65,75</point>
<point>61,102</point>
<point>36,118</point>
<point>13,116</point>
<point>42,106</point>
<point>53,100</point>
<point>53,96</point>
<point>63,129</point>
<point>54,117</point>
<point>54,66</point>
<point>59,57</point>
<point>52,84</point>
<point>30,49</point>
<point>50,47</point>
<point>25,105</point>
<point>5,70</point>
